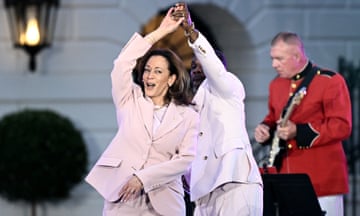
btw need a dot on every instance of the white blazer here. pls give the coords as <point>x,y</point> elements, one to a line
<point>224,152</point>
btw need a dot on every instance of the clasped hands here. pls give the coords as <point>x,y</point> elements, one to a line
<point>177,15</point>
<point>180,10</point>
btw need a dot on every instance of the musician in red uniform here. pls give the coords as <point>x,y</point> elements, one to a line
<point>317,126</point>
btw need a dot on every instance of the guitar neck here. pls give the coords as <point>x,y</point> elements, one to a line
<point>294,101</point>
<point>287,115</point>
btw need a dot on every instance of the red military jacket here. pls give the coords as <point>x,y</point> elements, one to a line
<point>323,121</point>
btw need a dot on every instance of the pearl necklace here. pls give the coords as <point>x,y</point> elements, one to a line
<point>157,107</point>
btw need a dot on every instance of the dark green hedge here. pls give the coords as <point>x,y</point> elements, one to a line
<point>42,156</point>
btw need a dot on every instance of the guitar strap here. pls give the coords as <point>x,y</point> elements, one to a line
<point>304,83</point>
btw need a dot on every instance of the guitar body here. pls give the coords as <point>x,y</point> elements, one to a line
<point>277,152</point>
<point>280,155</point>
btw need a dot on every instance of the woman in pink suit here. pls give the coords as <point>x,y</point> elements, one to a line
<point>140,171</point>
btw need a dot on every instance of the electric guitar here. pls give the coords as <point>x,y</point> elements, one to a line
<point>276,148</point>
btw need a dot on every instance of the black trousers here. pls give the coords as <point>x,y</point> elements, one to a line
<point>190,206</point>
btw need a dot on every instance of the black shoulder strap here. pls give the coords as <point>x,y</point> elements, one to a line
<point>304,83</point>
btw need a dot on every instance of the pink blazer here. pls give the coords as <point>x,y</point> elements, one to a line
<point>158,159</point>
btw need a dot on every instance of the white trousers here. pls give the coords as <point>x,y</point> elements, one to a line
<point>232,199</point>
<point>140,206</point>
<point>332,205</point>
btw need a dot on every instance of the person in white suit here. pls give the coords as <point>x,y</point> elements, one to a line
<point>224,179</point>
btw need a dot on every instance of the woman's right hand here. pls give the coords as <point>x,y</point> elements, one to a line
<point>170,23</point>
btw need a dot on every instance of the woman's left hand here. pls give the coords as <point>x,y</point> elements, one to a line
<point>131,189</point>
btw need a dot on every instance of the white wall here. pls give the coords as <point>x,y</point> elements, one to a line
<point>72,76</point>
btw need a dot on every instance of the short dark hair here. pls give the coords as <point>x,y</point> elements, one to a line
<point>289,38</point>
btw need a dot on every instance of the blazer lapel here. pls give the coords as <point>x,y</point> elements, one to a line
<point>147,114</point>
<point>171,120</point>
<point>200,97</point>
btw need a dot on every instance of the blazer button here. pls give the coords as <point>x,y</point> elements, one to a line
<point>205,157</point>
<point>201,133</point>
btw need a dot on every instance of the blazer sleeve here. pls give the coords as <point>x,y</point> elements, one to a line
<point>163,173</point>
<point>336,124</point>
<point>123,86</point>
<point>221,82</point>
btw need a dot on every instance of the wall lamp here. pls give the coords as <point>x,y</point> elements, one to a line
<point>32,25</point>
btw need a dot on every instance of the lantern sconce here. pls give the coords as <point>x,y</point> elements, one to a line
<point>32,25</point>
